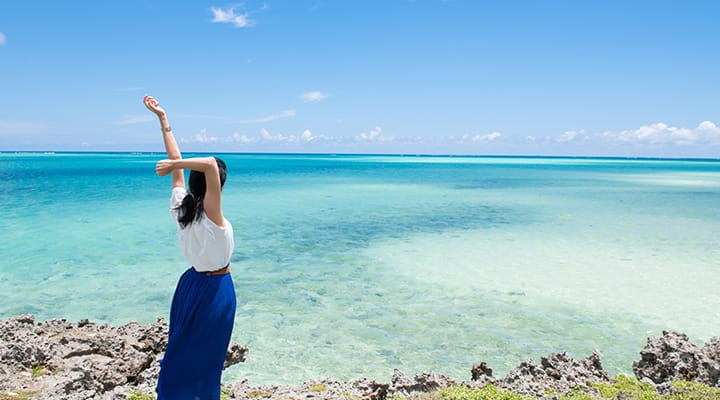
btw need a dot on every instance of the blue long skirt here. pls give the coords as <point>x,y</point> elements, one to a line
<point>201,322</point>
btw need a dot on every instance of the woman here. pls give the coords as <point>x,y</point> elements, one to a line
<point>203,306</point>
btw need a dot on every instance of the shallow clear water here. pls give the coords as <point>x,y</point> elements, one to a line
<point>350,266</point>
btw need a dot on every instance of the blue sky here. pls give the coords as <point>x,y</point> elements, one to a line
<point>607,78</point>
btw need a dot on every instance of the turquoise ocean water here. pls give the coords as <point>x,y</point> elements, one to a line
<point>350,266</point>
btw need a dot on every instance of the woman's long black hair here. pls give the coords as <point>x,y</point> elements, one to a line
<point>191,207</point>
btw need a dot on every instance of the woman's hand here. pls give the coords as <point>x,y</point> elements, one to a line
<point>164,167</point>
<point>153,106</point>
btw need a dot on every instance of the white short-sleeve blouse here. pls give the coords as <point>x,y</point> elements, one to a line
<point>205,245</point>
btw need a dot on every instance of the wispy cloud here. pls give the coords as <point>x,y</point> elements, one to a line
<point>135,119</point>
<point>706,133</point>
<point>278,137</point>
<point>374,138</point>
<point>569,136</point>
<point>655,135</point>
<point>203,137</point>
<point>236,137</point>
<point>314,97</point>
<point>228,16</point>
<point>2,39</point>
<point>483,138</point>
<point>272,117</point>
<point>307,136</point>
<point>264,136</point>
<point>130,89</point>
<point>374,135</point>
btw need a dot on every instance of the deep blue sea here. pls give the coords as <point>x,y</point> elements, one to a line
<point>349,266</point>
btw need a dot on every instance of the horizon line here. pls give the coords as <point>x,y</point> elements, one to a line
<point>50,152</point>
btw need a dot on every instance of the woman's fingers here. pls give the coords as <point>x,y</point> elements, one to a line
<point>163,167</point>
<point>153,105</point>
<point>150,102</point>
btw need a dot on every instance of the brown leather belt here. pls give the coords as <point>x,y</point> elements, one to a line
<point>221,271</point>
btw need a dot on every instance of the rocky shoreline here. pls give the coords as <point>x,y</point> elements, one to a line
<point>62,360</point>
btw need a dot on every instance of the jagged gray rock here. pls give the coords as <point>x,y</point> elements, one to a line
<point>481,375</point>
<point>673,357</point>
<point>235,354</point>
<point>481,370</point>
<point>84,360</point>
<point>557,373</point>
<point>324,389</point>
<point>421,383</point>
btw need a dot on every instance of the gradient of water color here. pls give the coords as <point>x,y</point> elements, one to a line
<point>350,266</point>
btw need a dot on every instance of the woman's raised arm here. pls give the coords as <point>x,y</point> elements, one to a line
<point>207,165</point>
<point>171,147</point>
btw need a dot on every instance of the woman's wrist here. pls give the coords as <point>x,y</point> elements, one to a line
<point>164,123</point>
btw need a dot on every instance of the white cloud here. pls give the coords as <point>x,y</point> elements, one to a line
<point>314,97</point>
<point>265,136</point>
<point>486,138</point>
<point>228,16</point>
<point>307,136</point>
<point>2,39</point>
<point>272,117</point>
<point>375,135</point>
<point>236,137</point>
<point>202,137</point>
<point>662,134</point>
<point>278,137</point>
<point>471,138</point>
<point>569,136</point>
<point>708,125</point>
<point>135,119</point>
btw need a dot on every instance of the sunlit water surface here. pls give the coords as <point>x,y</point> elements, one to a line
<point>350,266</point>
